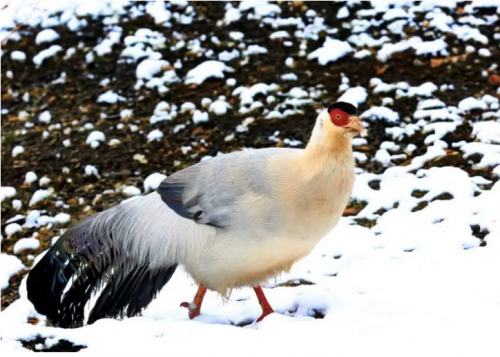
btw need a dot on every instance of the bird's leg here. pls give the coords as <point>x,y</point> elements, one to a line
<point>195,306</point>
<point>264,304</point>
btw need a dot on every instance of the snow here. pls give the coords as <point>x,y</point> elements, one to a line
<point>152,182</point>
<point>205,102</point>
<point>355,96</point>
<point>126,113</point>
<point>395,13</point>
<point>219,107</point>
<point>95,138</point>
<point>60,218</point>
<point>106,45</point>
<point>12,229</point>
<point>298,93</point>
<point>18,56</point>
<point>232,15</point>
<point>487,132</point>
<point>17,150</point>
<point>254,50</point>
<point>362,54</point>
<point>343,13</point>
<point>364,39</point>
<point>471,103</point>
<point>381,113</point>
<point>289,77</point>
<point>30,177</point>
<point>7,192</point>
<point>466,33</point>
<point>430,103</point>
<point>484,52</point>
<point>205,70</point>
<point>10,265</point>
<point>148,68</point>
<point>247,94</point>
<point>424,90</point>
<point>200,117</point>
<point>17,204</point>
<point>44,181</point>
<point>188,107</point>
<point>47,35</point>
<point>110,97</point>
<point>421,47</point>
<point>47,53</point>
<point>260,8</point>
<point>45,117</point>
<point>236,36</point>
<point>91,170</point>
<point>383,157</point>
<point>26,243</point>
<point>131,191</point>
<point>331,51</point>
<point>157,10</point>
<point>161,113</point>
<point>278,35</point>
<point>38,196</point>
<point>274,114</point>
<point>155,135</point>
<point>430,47</point>
<point>227,56</point>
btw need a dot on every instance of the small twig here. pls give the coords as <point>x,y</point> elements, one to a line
<point>6,5</point>
<point>18,27</point>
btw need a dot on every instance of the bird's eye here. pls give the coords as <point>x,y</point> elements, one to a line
<point>338,117</point>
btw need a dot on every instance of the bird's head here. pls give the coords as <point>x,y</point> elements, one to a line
<point>341,118</point>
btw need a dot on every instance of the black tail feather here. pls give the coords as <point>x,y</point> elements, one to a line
<point>46,283</point>
<point>131,294</point>
<point>86,261</point>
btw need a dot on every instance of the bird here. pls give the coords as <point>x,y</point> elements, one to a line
<point>232,221</point>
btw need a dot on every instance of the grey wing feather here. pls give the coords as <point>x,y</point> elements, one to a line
<point>171,193</point>
<point>211,191</point>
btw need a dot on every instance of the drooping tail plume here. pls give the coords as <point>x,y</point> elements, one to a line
<point>96,256</point>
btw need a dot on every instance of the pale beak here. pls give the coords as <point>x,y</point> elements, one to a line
<point>355,124</point>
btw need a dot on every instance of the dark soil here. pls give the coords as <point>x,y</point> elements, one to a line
<point>61,346</point>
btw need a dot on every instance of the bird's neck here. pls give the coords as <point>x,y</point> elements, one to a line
<point>325,150</point>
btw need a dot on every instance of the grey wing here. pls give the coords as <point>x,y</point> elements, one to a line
<point>189,200</point>
<point>212,192</point>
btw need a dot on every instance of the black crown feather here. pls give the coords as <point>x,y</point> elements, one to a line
<point>345,107</point>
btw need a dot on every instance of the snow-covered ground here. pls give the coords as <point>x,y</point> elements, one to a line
<point>421,278</point>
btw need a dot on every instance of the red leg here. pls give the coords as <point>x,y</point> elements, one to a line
<point>195,306</point>
<point>264,304</point>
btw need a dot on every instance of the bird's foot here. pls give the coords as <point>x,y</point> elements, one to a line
<point>264,304</point>
<point>264,314</point>
<point>193,309</point>
<point>195,306</point>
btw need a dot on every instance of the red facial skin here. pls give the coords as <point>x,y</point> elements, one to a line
<point>339,117</point>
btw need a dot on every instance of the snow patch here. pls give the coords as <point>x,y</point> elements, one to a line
<point>39,196</point>
<point>25,244</point>
<point>331,51</point>
<point>10,265</point>
<point>47,35</point>
<point>205,70</point>
<point>154,180</point>
<point>381,113</point>
<point>110,97</point>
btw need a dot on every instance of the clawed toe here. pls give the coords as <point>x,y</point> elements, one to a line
<point>193,309</point>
